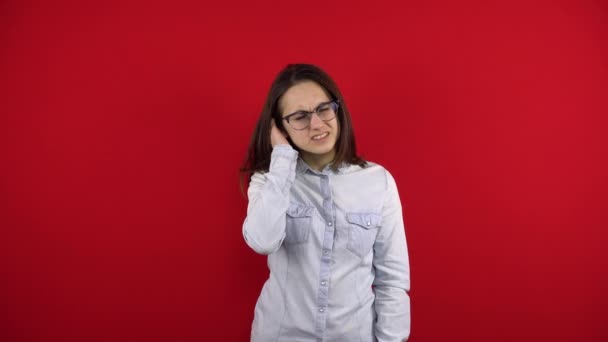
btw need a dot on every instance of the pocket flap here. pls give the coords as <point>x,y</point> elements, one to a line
<point>365,220</point>
<point>299,210</point>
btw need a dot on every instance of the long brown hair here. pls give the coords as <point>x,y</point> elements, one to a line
<point>258,155</point>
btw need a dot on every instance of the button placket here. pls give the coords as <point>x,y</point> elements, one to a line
<point>326,259</point>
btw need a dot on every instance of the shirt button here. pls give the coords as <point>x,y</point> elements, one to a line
<point>329,223</point>
<point>368,223</point>
<point>321,310</point>
<point>323,283</point>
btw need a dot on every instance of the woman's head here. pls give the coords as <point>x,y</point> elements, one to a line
<point>313,135</point>
<point>296,91</point>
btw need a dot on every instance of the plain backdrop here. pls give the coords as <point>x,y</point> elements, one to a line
<point>123,125</point>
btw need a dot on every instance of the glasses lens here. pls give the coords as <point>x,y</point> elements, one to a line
<point>299,121</point>
<point>327,111</point>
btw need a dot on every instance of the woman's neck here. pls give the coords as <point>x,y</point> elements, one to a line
<point>318,161</point>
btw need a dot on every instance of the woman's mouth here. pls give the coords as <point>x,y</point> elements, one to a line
<point>320,136</point>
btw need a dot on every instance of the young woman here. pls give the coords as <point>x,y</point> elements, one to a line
<point>330,222</point>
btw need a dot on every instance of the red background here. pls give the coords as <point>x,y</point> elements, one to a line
<point>123,124</point>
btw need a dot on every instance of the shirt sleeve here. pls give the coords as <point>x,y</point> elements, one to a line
<point>392,278</point>
<point>268,194</point>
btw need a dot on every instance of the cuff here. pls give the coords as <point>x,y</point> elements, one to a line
<point>284,150</point>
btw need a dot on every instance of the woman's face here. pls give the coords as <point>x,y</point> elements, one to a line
<point>307,96</point>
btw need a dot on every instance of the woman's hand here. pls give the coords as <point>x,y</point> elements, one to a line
<point>277,137</point>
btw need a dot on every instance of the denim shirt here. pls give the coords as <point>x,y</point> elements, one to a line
<point>337,252</point>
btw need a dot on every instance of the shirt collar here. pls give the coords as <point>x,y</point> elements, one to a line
<point>302,167</point>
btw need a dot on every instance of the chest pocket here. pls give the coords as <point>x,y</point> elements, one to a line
<point>363,229</point>
<point>298,224</point>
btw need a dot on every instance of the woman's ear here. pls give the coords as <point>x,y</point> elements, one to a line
<point>282,129</point>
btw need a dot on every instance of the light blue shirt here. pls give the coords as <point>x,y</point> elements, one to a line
<point>329,237</point>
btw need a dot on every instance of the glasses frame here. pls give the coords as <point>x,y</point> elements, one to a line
<point>335,104</point>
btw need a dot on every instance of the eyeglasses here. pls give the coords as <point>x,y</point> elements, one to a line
<point>301,119</point>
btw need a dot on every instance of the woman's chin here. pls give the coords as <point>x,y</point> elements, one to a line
<point>319,150</point>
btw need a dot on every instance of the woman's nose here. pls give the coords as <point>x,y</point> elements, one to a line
<point>315,121</point>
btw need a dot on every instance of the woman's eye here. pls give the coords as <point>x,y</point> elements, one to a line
<point>298,117</point>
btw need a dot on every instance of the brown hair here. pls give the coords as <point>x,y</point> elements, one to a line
<point>258,155</point>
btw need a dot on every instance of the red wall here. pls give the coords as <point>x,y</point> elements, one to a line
<point>123,124</point>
